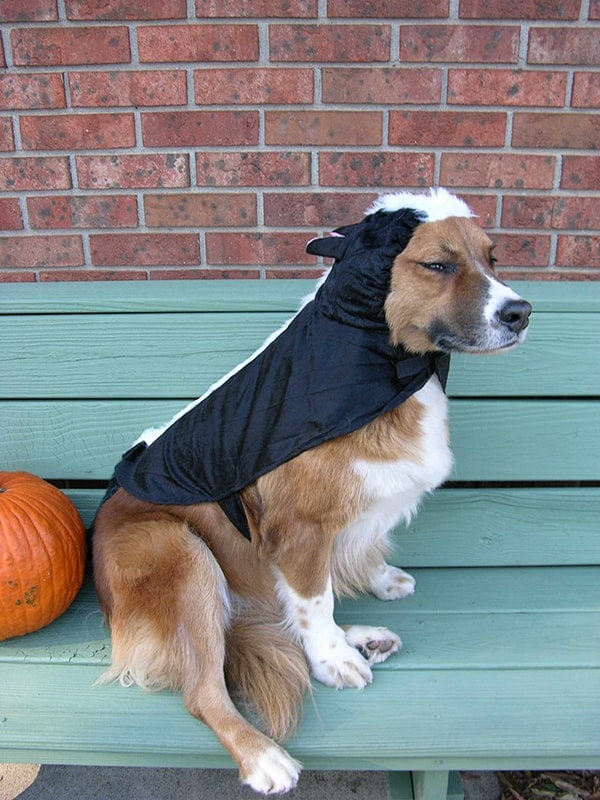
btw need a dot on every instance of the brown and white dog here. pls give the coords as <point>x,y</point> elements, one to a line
<point>194,606</point>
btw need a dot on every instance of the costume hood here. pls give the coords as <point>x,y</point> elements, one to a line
<point>330,371</point>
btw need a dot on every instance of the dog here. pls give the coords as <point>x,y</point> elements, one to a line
<point>315,449</point>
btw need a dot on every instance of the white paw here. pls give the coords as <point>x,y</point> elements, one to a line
<point>341,666</point>
<point>273,772</point>
<point>374,644</point>
<point>392,583</point>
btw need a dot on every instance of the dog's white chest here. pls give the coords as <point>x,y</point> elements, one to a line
<point>394,488</point>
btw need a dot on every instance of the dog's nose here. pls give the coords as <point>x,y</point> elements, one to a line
<point>515,315</point>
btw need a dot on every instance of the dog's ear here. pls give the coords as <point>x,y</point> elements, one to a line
<point>329,247</point>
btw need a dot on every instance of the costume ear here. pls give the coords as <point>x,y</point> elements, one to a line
<point>329,246</point>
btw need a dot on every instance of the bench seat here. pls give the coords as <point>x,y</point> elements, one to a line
<point>500,667</point>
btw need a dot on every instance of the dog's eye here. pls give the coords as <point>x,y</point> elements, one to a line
<point>438,266</point>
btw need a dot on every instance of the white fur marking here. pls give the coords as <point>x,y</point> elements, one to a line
<point>438,204</point>
<point>332,660</point>
<point>274,772</point>
<point>499,294</point>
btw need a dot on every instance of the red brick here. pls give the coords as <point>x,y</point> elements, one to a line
<point>2,59</point>
<point>447,128</point>
<point>17,277</point>
<point>403,9</point>
<point>126,9</point>
<point>519,9</point>
<point>498,170</point>
<point>586,90</point>
<point>28,11</point>
<point>41,47</point>
<point>77,132</point>
<point>151,171</point>
<point>329,42</point>
<point>376,169</point>
<point>257,8</point>
<point>578,251</point>
<point>581,131</point>
<point>291,273</point>
<point>160,43</point>
<point>579,46</point>
<point>320,209</point>
<point>200,210</point>
<point>549,211</point>
<point>483,206</point>
<point>258,248</point>
<point>253,169</point>
<point>33,174</point>
<point>31,91</point>
<point>120,88</point>
<point>41,251</point>
<point>144,249</point>
<point>500,87</point>
<point>388,85</point>
<point>96,211</point>
<point>595,9</point>
<point>323,128</point>
<point>464,43</point>
<point>253,85</point>
<point>59,275</point>
<point>200,128</point>
<point>522,250</point>
<point>7,141</point>
<point>11,218</point>
<point>203,274</point>
<point>580,172</point>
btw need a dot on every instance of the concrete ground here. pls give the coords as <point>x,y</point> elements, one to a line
<point>32,782</point>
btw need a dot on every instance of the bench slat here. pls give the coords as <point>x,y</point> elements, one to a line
<point>238,295</point>
<point>179,355</point>
<point>492,440</point>
<point>482,527</point>
<point>458,618</point>
<point>444,718</point>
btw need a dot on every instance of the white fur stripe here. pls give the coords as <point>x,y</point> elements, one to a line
<point>438,204</point>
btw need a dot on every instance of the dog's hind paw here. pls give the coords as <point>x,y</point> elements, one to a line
<point>374,644</point>
<point>273,772</point>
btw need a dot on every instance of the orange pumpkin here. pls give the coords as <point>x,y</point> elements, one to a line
<point>42,553</point>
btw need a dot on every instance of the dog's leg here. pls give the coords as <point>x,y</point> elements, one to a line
<point>167,603</point>
<point>332,660</point>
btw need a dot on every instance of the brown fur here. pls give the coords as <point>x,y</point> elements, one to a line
<point>166,575</point>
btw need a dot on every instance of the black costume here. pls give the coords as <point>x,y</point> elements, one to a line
<point>331,371</point>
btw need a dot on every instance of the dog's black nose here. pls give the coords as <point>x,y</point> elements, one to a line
<point>515,315</point>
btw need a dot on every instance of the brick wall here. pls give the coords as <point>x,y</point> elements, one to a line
<point>211,138</point>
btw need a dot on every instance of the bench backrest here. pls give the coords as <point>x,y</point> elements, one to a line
<point>84,368</point>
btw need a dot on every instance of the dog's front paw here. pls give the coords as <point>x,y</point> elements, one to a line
<point>341,666</point>
<point>273,772</point>
<point>374,644</point>
<point>392,583</point>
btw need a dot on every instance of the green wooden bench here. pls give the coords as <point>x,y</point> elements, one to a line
<point>501,661</point>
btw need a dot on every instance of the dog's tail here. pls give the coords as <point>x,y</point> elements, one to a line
<point>267,667</point>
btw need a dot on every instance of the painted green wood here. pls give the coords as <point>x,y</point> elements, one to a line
<point>482,527</point>
<point>400,786</point>
<point>492,440</point>
<point>179,355</point>
<point>80,297</point>
<point>430,785</point>
<point>457,619</point>
<point>440,719</point>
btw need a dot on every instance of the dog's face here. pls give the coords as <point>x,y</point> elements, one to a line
<point>445,296</point>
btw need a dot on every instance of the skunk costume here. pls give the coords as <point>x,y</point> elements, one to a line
<point>329,372</point>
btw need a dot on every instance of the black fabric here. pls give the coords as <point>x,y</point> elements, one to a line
<point>330,372</point>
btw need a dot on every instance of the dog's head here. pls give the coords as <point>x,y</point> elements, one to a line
<point>444,294</point>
